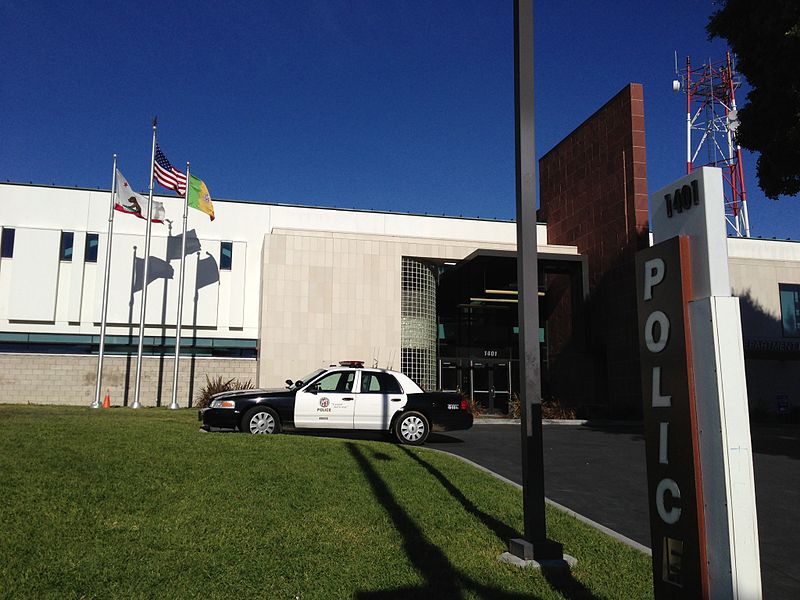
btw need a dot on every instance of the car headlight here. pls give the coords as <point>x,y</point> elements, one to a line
<point>223,404</point>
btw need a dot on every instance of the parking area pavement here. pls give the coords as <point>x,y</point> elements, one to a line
<point>599,472</point>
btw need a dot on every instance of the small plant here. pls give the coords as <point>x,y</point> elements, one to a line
<point>217,385</point>
<point>514,407</point>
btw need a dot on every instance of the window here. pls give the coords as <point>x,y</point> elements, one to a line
<point>341,381</point>
<point>67,239</point>
<point>369,383</point>
<point>225,256</point>
<point>790,308</point>
<point>58,343</point>
<point>92,240</point>
<point>7,243</point>
<point>379,383</point>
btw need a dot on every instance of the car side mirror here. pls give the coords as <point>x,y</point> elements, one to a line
<point>289,382</point>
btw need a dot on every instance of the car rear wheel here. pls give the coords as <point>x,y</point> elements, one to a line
<point>261,420</point>
<point>412,428</point>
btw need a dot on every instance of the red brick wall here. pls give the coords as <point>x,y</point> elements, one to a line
<point>593,195</point>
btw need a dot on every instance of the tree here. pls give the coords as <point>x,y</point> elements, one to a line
<point>765,36</point>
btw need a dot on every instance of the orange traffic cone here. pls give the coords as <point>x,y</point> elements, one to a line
<point>106,400</point>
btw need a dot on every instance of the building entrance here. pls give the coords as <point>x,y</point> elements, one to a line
<point>490,385</point>
<point>478,326</point>
<point>487,382</point>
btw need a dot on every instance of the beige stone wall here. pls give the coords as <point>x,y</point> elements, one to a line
<point>70,379</point>
<point>329,296</point>
<point>756,283</point>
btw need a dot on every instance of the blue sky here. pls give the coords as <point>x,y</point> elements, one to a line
<point>388,105</point>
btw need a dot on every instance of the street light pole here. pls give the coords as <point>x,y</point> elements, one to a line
<point>535,546</point>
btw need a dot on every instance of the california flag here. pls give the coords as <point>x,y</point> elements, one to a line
<point>135,204</point>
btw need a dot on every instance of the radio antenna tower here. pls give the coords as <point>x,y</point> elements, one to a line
<point>711,123</point>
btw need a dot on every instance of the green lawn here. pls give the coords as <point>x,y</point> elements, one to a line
<point>139,504</point>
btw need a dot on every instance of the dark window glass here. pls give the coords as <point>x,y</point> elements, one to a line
<point>389,384</point>
<point>121,344</point>
<point>67,238</point>
<point>226,256</point>
<point>379,383</point>
<point>92,240</point>
<point>790,308</point>
<point>7,243</point>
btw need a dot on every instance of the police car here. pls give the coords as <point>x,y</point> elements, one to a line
<point>347,396</point>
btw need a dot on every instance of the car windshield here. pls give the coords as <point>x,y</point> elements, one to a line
<point>311,376</point>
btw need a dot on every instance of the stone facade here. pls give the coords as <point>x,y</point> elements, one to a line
<point>330,296</point>
<point>70,379</point>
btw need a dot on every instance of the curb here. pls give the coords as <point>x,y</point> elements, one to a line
<point>584,422</point>
<point>602,528</point>
<point>503,421</point>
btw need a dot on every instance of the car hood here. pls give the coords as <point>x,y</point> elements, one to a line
<point>253,392</point>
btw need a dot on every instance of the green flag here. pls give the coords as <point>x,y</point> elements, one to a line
<point>199,197</point>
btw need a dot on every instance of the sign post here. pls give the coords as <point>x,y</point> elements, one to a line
<point>703,521</point>
<point>535,547</point>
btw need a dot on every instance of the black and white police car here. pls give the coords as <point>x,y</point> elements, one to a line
<point>347,396</point>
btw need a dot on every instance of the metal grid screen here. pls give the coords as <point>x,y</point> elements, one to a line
<point>418,323</point>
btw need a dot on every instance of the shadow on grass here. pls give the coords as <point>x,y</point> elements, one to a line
<point>560,580</point>
<point>442,579</point>
<point>500,529</point>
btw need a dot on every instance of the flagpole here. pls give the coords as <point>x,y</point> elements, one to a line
<point>174,404</point>
<point>104,309</point>
<point>136,403</point>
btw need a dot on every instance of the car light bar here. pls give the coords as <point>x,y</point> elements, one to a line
<point>356,364</point>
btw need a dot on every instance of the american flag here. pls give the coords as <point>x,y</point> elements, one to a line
<point>167,175</point>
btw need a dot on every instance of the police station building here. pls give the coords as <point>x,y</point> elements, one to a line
<point>273,291</point>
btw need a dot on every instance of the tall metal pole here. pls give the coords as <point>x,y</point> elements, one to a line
<point>104,309</point>
<point>136,403</point>
<point>174,404</point>
<point>688,116</point>
<point>536,546</point>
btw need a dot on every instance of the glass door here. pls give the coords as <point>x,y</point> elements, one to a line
<point>501,390</point>
<point>481,385</point>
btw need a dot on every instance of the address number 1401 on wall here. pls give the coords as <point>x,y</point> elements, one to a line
<point>683,198</point>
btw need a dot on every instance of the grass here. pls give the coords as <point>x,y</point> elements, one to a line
<point>138,504</point>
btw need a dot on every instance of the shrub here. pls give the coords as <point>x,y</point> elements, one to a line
<point>217,385</point>
<point>551,409</point>
<point>514,407</point>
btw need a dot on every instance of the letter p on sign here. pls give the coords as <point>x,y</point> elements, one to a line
<point>653,275</point>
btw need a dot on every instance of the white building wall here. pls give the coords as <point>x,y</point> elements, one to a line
<point>46,295</point>
<point>329,277</point>
<point>757,268</point>
<point>39,293</point>
<point>313,285</point>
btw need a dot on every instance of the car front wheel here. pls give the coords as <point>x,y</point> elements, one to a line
<point>261,420</point>
<point>412,428</point>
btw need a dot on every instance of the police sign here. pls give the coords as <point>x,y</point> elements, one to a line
<point>663,283</point>
<point>699,459</point>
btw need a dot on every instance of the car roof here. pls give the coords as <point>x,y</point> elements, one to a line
<point>409,384</point>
